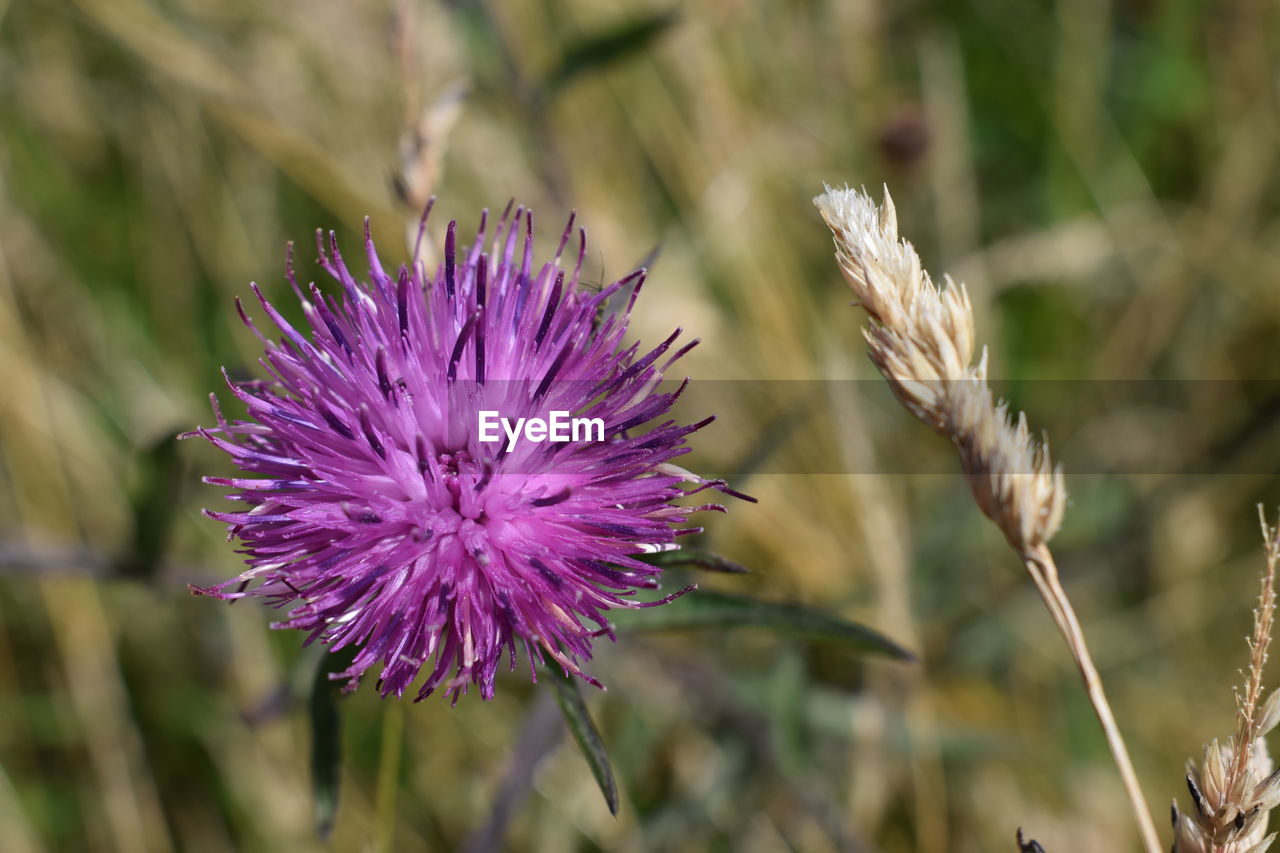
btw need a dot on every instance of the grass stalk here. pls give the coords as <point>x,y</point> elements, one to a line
<point>1044,572</point>
<point>922,338</point>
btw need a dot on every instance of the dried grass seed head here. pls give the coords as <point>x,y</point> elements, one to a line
<point>1235,787</point>
<point>922,340</point>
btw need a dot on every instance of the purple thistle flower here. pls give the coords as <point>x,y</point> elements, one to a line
<point>375,511</point>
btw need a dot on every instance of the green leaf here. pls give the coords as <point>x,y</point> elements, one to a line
<point>585,733</point>
<point>603,48</point>
<point>154,503</point>
<point>707,609</point>
<point>787,680</point>
<point>326,738</point>
<point>696,558</point>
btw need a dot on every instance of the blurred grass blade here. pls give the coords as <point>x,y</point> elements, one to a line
<point>775,435</point>
<point>145,30</point>
<point>309,165</point>
<point>787,730</point>
<point>326,739</point>
<point>696,558</point>
<point>603,48</point>
<point>708,609</point>
<point>585,733</point>
<point>154,504</point>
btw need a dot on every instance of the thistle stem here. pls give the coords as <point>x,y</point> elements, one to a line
<point>1044,571</point>
<point>388,778</point>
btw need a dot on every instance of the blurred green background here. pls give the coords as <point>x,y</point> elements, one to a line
<point>1103,176</point>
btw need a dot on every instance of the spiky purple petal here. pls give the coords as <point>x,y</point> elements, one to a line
<point>376,516</point>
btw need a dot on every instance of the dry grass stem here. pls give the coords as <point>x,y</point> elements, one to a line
<point>922,340</point>
<point>1235,788</point>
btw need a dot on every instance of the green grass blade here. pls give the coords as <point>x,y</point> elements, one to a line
<point>606,47</point>
<point>155,503</point>
<point>326,739</point>
<point>704,609</point>
<point>696,558</point>
<point>585,733</point>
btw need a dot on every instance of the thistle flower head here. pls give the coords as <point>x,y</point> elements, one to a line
<point>370,506</point>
